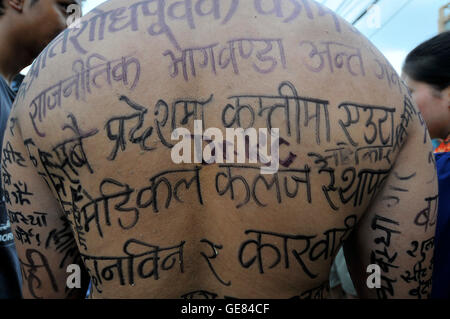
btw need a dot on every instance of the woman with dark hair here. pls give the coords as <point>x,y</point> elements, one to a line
<point>427,74</point>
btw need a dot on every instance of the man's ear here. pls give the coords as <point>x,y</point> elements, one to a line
<point>16,4</point>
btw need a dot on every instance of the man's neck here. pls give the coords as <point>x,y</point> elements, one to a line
<point>13,58</point>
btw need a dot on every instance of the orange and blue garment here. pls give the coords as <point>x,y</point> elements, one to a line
<point>444,147</point>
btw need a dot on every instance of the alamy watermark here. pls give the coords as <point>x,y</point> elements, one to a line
<point>374,279</point>
<point>247,144</point>
<point>74,279</point>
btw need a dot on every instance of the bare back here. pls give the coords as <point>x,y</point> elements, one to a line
<point>93,178</point>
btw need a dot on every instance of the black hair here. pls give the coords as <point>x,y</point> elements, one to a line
<point>430,62</point>
<point>2,6</point>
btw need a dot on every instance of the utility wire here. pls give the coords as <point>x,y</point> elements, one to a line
<point>374,2</point>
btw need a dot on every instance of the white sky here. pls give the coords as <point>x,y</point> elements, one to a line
<point>88,5</point>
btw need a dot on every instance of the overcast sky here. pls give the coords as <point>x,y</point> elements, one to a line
<point>402,25</point>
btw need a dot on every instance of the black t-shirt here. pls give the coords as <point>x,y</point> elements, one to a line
<point>10,276</point>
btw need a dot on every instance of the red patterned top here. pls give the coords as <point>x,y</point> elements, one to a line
<point>444,147</point>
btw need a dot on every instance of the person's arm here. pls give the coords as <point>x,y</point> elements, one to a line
<point>44,239</point>
<point>397,231</point>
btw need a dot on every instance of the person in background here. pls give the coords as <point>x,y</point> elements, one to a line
<point>427,73</point>
<point>26,27</point>
<point>15,84</point>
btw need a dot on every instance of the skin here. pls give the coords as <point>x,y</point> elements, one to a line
<point>434,106</point>
<point>217,219</point>
<point>25,29</point>
<point>18,45</point>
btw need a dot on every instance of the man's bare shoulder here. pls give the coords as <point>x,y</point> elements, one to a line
<point>158,53</point>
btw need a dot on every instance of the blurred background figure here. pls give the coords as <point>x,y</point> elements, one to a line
<point>427,74</point>
<point>386,23</point>
<point>26,27</point>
